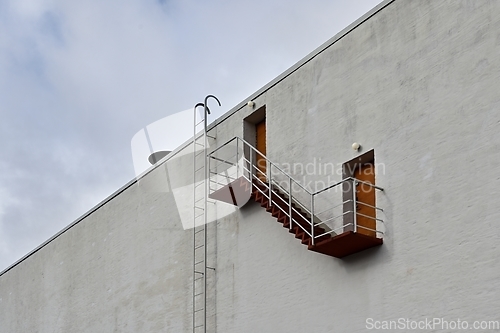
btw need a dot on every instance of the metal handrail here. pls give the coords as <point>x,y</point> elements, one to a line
<point>254,174</point>
<point>271,163</point>
<point>374,230</point>
<point>334,230</point>
<point>221,160</point>
<point>330,208</point>
<point>374,207</point>
<point>363,182</point>
<point>223,145</point>
<point>370,217</point>
<point>347,180</point>
<point>333,218</point>
<point>295,202</point>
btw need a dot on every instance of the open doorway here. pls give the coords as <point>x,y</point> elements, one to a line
<point>254,132</point>
<point>260,145</point>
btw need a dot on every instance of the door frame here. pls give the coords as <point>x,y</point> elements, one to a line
<point>250,133</point>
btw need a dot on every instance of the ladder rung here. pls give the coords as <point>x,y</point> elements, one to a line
<point>196,295</point>
<point>199,200</point>
<point>199,311</point>
<point>199,247</point>
<point>200,278</point>
<point>201,152</point>
<point>199,144</point>
<point>199,230</point>
<point>203,167</point>
<point>199,326</point>
<point>200,183</point>
<point>199,262</point>
<point>202,208</point>
<point>200,273</point>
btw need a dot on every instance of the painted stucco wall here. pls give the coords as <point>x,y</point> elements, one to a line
<point>417,82</point>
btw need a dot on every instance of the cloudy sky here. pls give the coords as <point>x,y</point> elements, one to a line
<point>79,78</point>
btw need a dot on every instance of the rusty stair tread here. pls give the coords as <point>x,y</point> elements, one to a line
<point>337,246</point>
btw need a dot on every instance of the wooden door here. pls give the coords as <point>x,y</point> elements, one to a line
<point>365,195</point>
<point>260,145</point>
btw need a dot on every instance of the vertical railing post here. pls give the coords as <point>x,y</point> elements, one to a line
<point>237,160</point>
<point>269,181</point>
<point>312,218</point>
<point>354,204</point>
<point>290,203</point>
<point>250,167</point>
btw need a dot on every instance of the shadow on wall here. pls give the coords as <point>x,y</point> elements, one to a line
<point>173,170</point>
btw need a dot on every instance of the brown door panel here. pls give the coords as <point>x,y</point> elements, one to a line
<point>365,195</point>
<point>260,144</point>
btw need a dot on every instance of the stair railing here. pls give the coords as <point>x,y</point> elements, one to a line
<point>242,164</point>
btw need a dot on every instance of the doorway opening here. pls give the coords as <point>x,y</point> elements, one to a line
<point>254,132</point>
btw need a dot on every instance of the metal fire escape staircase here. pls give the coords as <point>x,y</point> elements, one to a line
<point>328,221</point>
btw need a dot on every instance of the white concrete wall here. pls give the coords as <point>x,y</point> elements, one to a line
<point>122,269</point>
<point>418,82</point>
